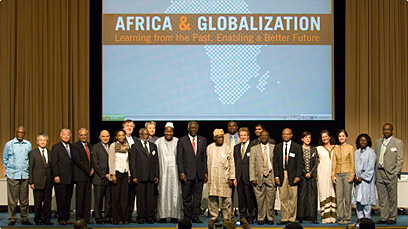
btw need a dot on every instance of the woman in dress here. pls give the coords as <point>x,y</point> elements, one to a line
<point>119,171</point>
<point>342,175</point>
<point>364,180</point>
<point>327,196</point>
<point>307,189</point>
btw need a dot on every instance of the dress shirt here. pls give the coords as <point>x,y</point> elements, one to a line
<point>45,153</point>
<point>269,156</point>
<point>246,146</point>
<point>130,140</point>
<point>15,158</point>
<point>143,144</point>
<point>384,145</point>
<point>283,151</point>
<point>195,141</point>
<point>235,137</point>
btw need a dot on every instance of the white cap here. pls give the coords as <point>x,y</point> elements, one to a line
<point>169,124</point>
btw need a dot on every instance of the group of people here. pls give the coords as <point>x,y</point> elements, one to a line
<point>167,175</point>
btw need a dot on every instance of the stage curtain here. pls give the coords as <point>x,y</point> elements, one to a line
<point>377,68</point>
<point>44,68</point>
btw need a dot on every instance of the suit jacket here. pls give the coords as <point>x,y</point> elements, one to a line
<point>242,165</point>
<point>40,172</point>
<point>135,139</point>
<point>256,161</point>
<point>295,162</point>
<point>82,166</point>
<point>100,163</point>
<point>393,156</point>
<point>191,164</point>
<point>144,165</point>
<point>227,139</point>
<point>61,165</point>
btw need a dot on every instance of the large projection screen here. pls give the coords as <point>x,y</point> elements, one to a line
<point>217,60</point>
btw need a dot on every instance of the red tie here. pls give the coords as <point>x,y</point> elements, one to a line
<point>194,148</point>
<point>87,153</point>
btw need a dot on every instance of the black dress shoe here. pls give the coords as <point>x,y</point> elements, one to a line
<point>163,220</point>
<point>26,222</point>
<point>251,220</point>
<point>270,222</point>
<point>150,221</point>
<point>196,221</point>
<point>100,221</point>
<point>140,221</point>
<point>108,221</point>
<point>47,222</point>
<point>391,222</point>
<point>11,222</point>
<point>174,220</point>
<point>381,222</point>
<point>282,223</point>
<point>261,222</point>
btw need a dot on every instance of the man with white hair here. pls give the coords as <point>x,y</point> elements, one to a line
<point>169,199</point>
<point>151,128</point>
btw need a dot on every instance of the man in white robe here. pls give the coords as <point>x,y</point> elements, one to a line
<point>169,199</point>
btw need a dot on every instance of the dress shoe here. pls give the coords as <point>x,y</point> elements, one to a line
<point>11,222</point>
<point>196,221</point>
<point>391,222</point>
<point>62,222</point>
<point>163,220</point>
<point>38,222</point>
<point>150,221</point>
<point>126,222</point>
<point>140,221</point>
<point>282,223</point>
<point>100,221</point>
<point>261,222</point>
<point>174,220</point>
<point>381,222</point>
<point>47,222</point>
<point>211,223</point>
<point>270,222</point>
<point>108,221</point>
<point>69,222</point>
<point>250,220</point>
<point>26,222</point>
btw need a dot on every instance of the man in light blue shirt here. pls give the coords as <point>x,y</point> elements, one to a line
<point>15,159</point>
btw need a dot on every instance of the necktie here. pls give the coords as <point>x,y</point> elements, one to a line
<point>266,161</point>
<point>286,155</point>
<point>106,148</point>
<point>194,146</point>
<point>68,151</point>
<point>43,156</point>
<point>145,146</point>
<point>87,153</point>
<point>243,151</point>
<point>232,141</point>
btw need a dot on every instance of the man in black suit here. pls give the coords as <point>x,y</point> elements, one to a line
<point>144,170</point>
<point>40,180</point>
<point>62,170</point>
<point>246,196</point>
<point>128,126</point>
<point>83,174</point>
<point>100,159</point>
<point>288,167</point>
<point>192,168</point>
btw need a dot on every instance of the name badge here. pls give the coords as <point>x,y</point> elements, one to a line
<point>394,149</point>
<point>248,154</point>
<point>154,152</point>
<point>223,155</point>
<point>291,155</point>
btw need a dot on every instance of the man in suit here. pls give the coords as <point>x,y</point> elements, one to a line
<point>288,167</point>
<point>40,180</point>
<point>246,196</point>
<point>128,126</point>
<point>144,170</point>
<point>62,170</point>
<point>83,174</point>
<point>390,156</point>
<point>151,129</point>
<point>262,178</point>
<point>192,169</point>
<point>100,156</point>
<point>258,130</point>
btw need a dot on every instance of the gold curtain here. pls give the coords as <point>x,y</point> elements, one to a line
<point>44,68</point>
<point>377,68</point>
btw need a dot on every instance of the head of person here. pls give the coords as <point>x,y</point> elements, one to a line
<point>366,223</point>
<point>258,129</point>
<point>83,135</point>
<point>325,138</point>
<point>128,126</point>
<point>80,224</point>
<point>65,135</point>
<point>143,134</point>
<point>243,134</point>
<point>306,137</point>
<point>342,136</point>
<point>20,133</point>
<point>293,225</point>
<point>363,140</point>
<point>104,136</point>
<point>151,128</point>
<point>218,137</point>
<point>192,128</point>
<point>120,136</point>
<point>287,134</point>
<point>42,140</point>
<point>232,127</point>
<point>184,224</point>
<point>387,130</point>
<point>264,137</point>
<point>169,131</point>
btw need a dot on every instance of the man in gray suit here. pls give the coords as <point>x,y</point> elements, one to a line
<point>262,178</point>
<point>390,154</point>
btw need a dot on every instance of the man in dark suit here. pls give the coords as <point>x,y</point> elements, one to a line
<point>246,196</point>
<point>100,159</point>
<point>192,169</point>
<point>40,180</point>
<point>83,174</point>
<point>288,167</point>
<point>62,170</point>
<point>128,126</point>
<point>144,170</point>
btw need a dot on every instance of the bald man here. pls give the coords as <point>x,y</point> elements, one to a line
<point>101,184</point>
